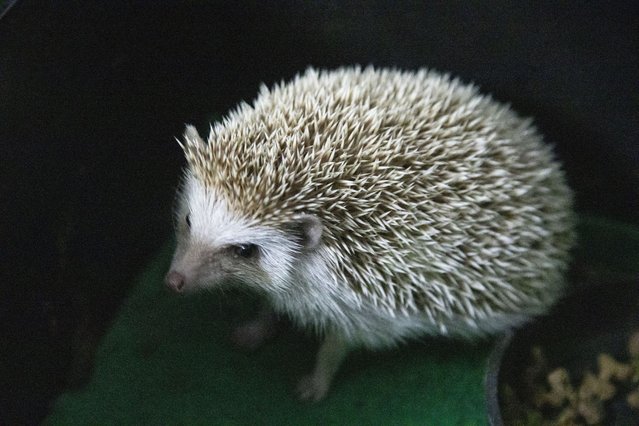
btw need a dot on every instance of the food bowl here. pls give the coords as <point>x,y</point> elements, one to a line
<point>590,323</point>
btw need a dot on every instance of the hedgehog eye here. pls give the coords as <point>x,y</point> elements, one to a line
<point>245,250</point>
<point>188,220</point>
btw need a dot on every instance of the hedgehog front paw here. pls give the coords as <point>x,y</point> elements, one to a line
<point>312,388</point>
<point>252,335</point>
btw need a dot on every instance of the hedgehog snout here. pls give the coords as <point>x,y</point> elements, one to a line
<point>175,281</point>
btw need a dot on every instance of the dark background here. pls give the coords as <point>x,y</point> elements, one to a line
<point>93,94</point>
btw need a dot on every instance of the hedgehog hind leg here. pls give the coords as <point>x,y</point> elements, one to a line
<point>332,351</point>
<point>253,334</point>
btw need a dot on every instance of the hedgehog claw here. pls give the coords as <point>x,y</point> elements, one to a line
<point>311,388</point>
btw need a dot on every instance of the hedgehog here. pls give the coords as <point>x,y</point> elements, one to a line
<point>373,206</point>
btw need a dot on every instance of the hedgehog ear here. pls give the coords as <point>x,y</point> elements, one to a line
<point>309,229</point>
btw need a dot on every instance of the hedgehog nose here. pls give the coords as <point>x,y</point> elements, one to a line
<point>175,281</point>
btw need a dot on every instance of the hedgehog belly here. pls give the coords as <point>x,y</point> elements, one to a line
<point>363,324</point>
<point>320,301</point>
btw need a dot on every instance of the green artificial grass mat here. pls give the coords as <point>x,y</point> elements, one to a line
<point>167,360</point>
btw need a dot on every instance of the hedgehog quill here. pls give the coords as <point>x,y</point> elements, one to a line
<point>374,206</point>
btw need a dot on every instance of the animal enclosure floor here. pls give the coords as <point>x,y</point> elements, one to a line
<point>167,360</point>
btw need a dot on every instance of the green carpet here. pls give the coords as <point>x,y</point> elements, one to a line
<point>167,361</point>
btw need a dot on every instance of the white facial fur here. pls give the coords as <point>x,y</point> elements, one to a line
<point>204,254</point>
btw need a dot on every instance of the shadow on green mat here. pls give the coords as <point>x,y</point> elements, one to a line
<point>167,360</point>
